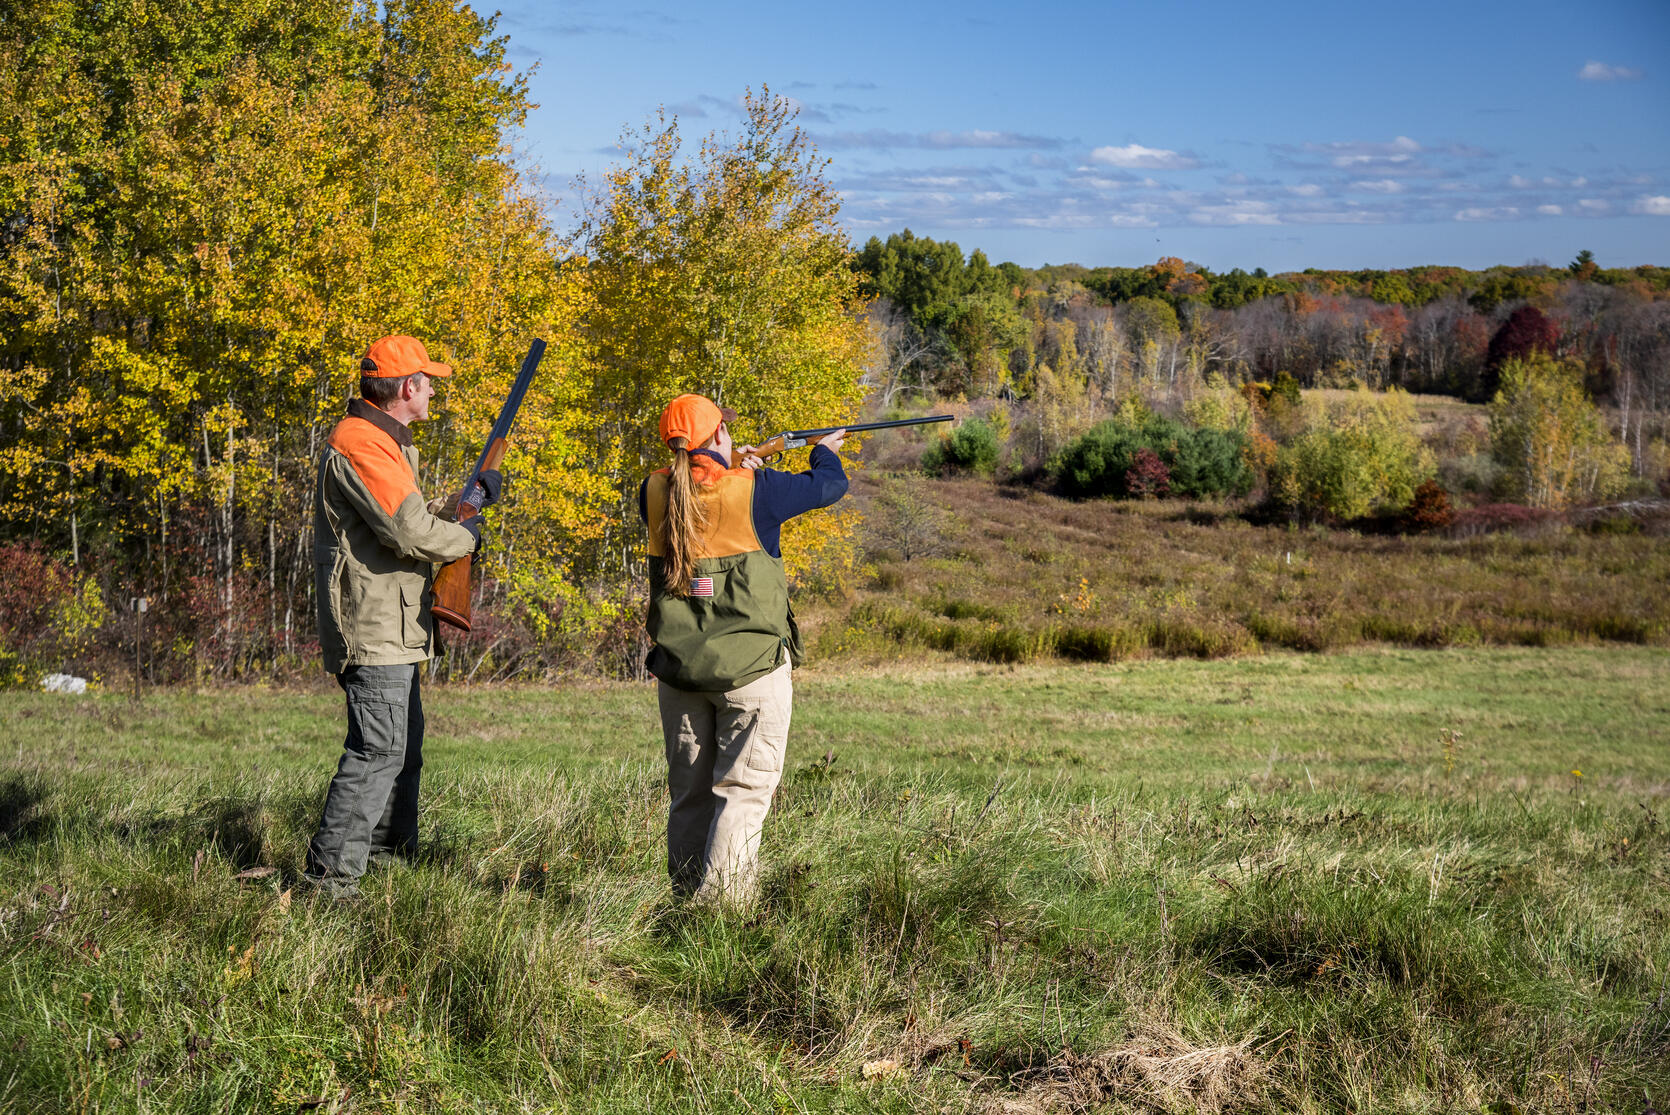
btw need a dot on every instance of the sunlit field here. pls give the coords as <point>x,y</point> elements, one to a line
<point>1382,880</point>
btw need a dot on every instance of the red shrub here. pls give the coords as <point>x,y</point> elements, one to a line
<point>1430,510</point>
<point>1148,477</point>
<point>33,586</point>
<point>35,591</point>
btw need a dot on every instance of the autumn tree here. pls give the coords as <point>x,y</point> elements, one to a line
<point>725,274</point>
<point>1526,332</point>
<point>210,211</point>
<point>1155,334</point>
<point>1355,455</point>
<point>1549,438</point>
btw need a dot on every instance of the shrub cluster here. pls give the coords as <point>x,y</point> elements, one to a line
<point>986,636</point>
<point>1150,456</point>
<point>1429,510</point>
<point>1350,458</point>
<point>1028,576</point>
<point>971,447</point>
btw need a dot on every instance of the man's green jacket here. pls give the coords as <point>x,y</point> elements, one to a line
<point>375,544</point>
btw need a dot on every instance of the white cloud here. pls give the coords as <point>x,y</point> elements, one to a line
<point>1345,161</point>
<point>1658,206</point>
<point>1488,213</point>
<point>1236,213</point>
<point>1380,186</point>
<point>1399,151</point>
<point>880,140</point>
<point>1593,205</point>
<point>984,138</point>
<point>1137,157</point>
<point>1550,210</point>
<point>1086,221</point>
<point>1600,71</point>
<point>1520,182</point>
<point>1309,189</point>
<point>1096,182</point>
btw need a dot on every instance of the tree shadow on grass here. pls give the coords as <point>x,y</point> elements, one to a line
<point>22,820</point>
<point>242,830</point>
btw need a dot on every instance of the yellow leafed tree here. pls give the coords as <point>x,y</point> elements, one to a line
<point>725,274</point>
<point>210,211</point>
<point>1552,444</point>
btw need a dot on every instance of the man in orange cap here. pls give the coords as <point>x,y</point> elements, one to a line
<point>375,546</point>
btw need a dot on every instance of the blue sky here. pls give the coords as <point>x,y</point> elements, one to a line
<point>1279,135</point>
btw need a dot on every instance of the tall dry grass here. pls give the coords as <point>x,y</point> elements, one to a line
<point>1027,575</point>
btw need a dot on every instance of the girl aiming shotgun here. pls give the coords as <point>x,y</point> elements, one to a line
<point>724,637</point>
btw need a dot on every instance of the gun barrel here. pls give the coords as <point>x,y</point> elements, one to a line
<point>512,403</point>
<point>860,427</point>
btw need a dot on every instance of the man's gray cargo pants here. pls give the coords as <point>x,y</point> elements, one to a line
<point>371,807</point>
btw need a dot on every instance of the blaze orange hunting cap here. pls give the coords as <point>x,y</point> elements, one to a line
<point>695,418</point>
<point>399,355</point>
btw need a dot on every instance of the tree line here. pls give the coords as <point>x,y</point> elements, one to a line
<point>952,325</point>
<point>207,211</point>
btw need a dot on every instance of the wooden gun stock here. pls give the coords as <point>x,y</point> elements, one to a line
<point>774,446</point>
<point>451,603</point>
<point>452,585</point>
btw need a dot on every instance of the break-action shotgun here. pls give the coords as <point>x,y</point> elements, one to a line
<point>796,439</point>
<point>452,585</point>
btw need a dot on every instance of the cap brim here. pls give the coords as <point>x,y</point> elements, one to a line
<point>439,370</point>
<point>727,414</point>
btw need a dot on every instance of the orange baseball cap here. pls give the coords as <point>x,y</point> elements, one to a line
<point>399,355</point>
<point>695,418</point>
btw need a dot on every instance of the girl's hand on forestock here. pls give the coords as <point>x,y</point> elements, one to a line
<point>834,440</point>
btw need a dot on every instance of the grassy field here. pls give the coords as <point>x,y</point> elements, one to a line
<point>1385,880</point>
<point>1020,575</point>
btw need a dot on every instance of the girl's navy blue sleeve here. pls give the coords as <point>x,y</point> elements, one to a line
<point>780,496</point>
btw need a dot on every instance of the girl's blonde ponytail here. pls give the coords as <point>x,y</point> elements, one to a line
<point>684,522</point>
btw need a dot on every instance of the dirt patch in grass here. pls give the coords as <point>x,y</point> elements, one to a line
<point>1159,1071</point>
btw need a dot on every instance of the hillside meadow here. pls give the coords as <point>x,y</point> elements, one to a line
<point>1386,879</point>
<point>1013,573</point>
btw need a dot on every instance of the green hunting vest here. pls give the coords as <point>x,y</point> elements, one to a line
<point>736,625</point>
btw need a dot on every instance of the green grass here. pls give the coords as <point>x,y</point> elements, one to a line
<point>1362,882</point>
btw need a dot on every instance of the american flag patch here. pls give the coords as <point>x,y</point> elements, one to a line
<point>701,586</point>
